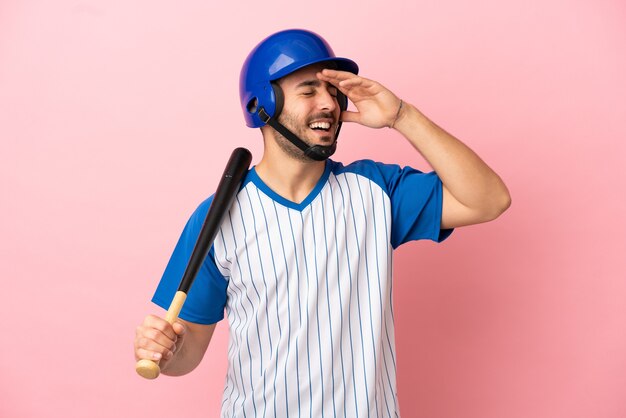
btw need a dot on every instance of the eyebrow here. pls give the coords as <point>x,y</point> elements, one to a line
<point>309,83</point>
<point>313,83</point>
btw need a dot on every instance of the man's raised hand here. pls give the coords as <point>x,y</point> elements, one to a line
<point>377,106</point>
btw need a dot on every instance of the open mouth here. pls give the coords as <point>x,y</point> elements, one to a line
<point>320,126</point>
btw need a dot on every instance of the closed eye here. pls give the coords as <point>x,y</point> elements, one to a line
<point>309,87</point>
<point>333,93</point>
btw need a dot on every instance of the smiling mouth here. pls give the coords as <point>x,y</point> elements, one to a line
<point>320,126</point>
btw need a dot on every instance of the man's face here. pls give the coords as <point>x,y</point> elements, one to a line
<point>310,110</point>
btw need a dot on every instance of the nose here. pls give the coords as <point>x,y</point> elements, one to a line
<point>326,101</point>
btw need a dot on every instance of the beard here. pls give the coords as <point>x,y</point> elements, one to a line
<point>300,130</point>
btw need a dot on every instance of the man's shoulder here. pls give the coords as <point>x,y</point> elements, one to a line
<point>376,171</point>
<point>363,167</point>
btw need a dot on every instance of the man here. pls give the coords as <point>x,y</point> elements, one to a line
<point>302,262</point>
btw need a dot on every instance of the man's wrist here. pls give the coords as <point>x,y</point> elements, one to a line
<point>395,119</point>
<point>407,114</point>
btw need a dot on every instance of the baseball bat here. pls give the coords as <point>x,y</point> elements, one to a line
<point>229,185</point>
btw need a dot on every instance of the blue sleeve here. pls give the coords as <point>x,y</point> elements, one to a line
<point>207,296</point>
<point>416,204</point>
<point>416,199</point>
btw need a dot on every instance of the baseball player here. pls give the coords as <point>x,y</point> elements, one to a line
<point>302,263</point>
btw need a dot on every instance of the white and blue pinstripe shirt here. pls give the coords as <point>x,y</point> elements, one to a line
<point>307,289</point>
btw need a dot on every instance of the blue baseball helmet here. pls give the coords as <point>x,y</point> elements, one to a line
<point>274,57</point>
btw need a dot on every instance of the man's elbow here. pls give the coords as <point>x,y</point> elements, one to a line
<point>498,205</point>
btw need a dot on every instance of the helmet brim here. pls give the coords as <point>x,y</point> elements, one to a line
<point>336,63</point>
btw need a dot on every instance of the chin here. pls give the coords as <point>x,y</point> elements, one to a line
<point>324,140</point>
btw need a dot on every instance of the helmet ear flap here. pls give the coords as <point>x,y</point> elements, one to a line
<point>342,100</point>
<point>279,99</point>
<point>268,106</point>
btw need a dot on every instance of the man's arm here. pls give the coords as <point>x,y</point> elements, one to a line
<point>472,192</point>
<point>179,348</point>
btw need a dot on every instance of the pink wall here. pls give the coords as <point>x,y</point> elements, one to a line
<point>117,117</point>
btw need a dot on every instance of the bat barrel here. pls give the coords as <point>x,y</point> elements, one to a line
<point>234,173</point>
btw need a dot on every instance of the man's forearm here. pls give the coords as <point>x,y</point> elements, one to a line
<point>187,358</point>
<point>460,169</point>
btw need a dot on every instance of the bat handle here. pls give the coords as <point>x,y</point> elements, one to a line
<point>150,369</point>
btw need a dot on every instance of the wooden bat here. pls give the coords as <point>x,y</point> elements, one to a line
<point>227,189</point>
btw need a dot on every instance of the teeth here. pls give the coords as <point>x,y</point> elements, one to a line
<point>320,125</point>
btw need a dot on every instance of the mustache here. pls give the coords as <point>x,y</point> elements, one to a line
<point>322,115</point>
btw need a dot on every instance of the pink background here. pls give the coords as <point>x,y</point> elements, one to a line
<point>116,119</point>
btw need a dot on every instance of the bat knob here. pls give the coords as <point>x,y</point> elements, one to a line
<point>147,369</point>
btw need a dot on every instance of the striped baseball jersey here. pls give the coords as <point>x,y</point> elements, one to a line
<point>307,289</point>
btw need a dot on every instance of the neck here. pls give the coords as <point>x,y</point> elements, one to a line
<point>292,179</point>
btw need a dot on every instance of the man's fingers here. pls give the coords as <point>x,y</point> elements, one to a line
<point>341,79</point>
<point>158,340</point>
<point>144,353</point>
<point>344,79</point>
<point>334,75</point>
<point>179,328</point>
<point>153,321</point>
<point>352,83</point>
<point>154,342</point>
<point>149,337</point>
